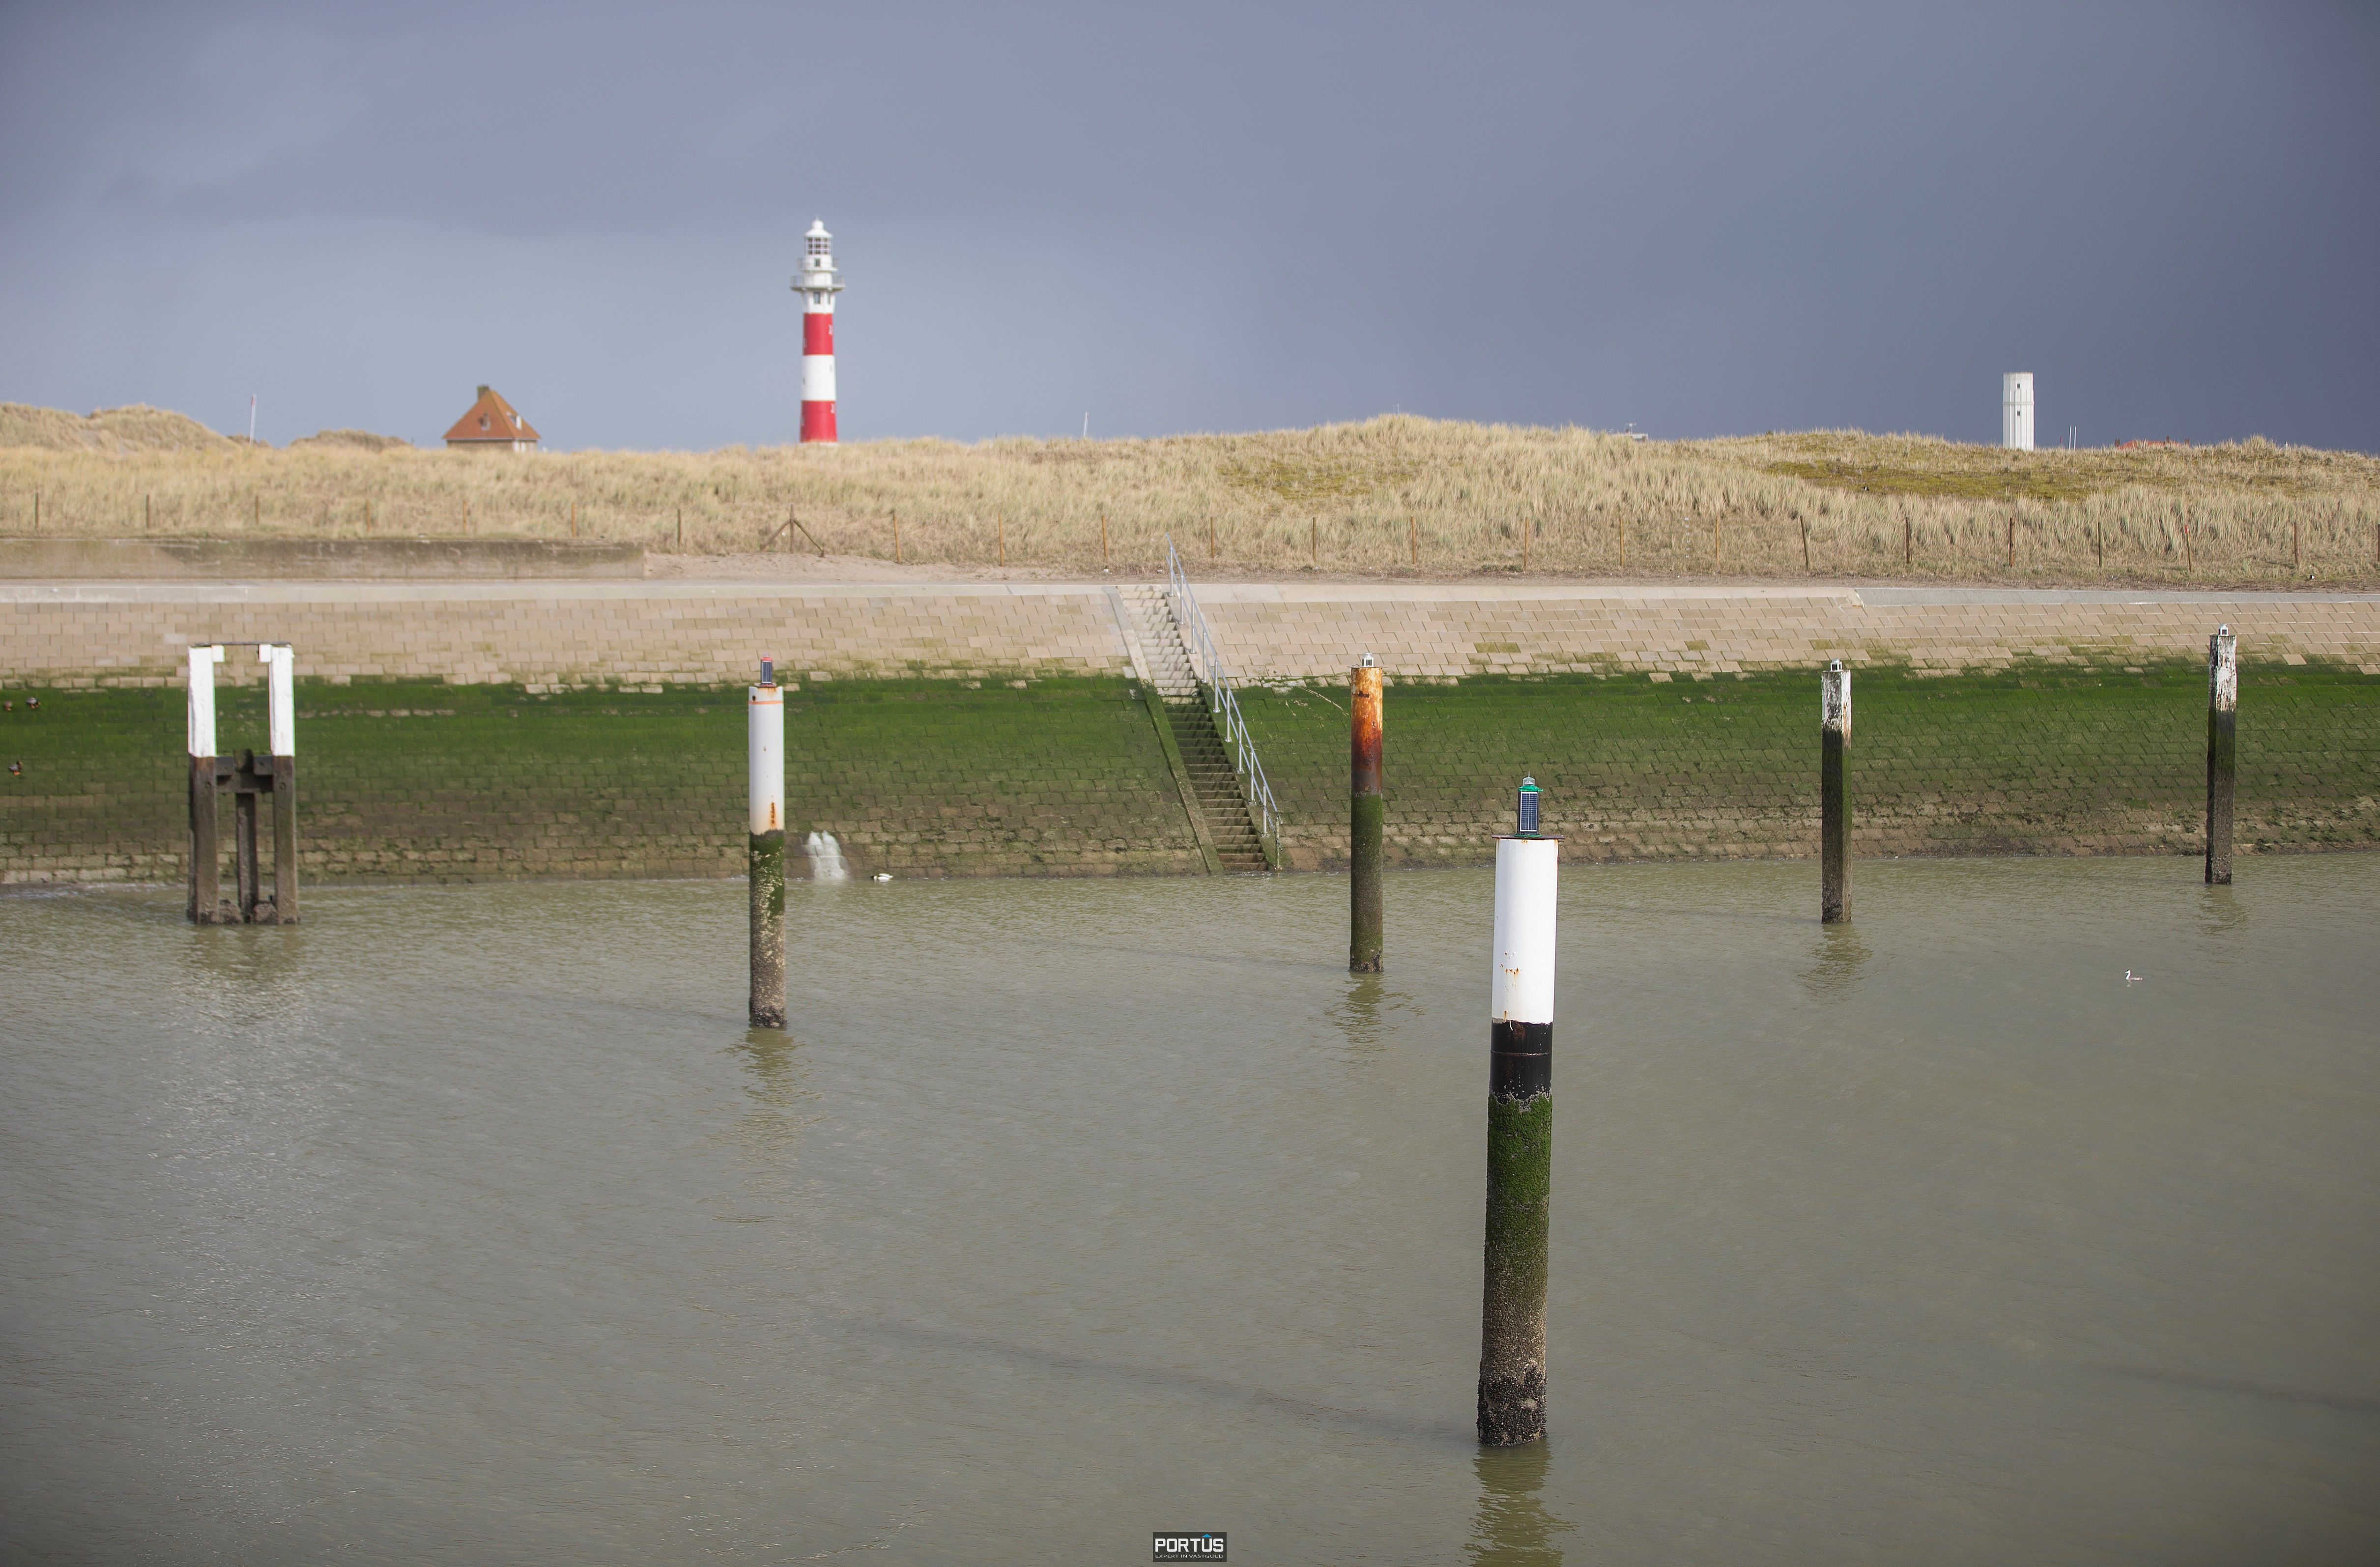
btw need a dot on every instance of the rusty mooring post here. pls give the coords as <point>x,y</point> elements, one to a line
<point>1365,814</point>
<point>1520,1134</point>
<point>765,856</point>
<point>206,870</point>
<point>1834,793</point>
<point>2222,749</point>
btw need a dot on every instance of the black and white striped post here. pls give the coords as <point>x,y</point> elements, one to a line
<point>1834,793</point>
<point>2222,749</point>
<point>281,730</point>
<point>765,737</point>
<point>206,854</point>
<point>1520,1134</point>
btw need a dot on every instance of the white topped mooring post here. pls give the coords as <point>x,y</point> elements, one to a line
<point>2222,749</point>
<point>1834,793</point>
<point>1520,1133</point>
<point>765,854</point>
<point>281,731</point>
<point>2016,410</point>
<point>206,870</point>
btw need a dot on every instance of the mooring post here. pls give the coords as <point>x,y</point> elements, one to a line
<point>766,740</point>
<point>1520,1134</point>
<point>2222,749</point>
<point>247,891</point>
<point>1365,815</point>
<point>206,873</point>
<point>1834,793</point>
<point>281,729</point>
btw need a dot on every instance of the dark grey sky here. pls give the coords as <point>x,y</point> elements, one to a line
<point>1705,220</point>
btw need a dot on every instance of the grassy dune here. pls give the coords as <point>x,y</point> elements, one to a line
<point>1398,495</point>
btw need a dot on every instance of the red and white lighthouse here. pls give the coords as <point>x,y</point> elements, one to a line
<point>818,283</point>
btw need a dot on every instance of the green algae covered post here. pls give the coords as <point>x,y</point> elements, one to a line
<point>1834,793</point>
<point>765,737</point>
<point>1520,1134</point>
<point>1365,815</point>
<point>2222,749</point>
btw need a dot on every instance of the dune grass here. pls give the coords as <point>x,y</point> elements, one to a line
<point>1393,495</point>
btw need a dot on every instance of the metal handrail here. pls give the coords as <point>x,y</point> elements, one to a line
<point>1211,675</point>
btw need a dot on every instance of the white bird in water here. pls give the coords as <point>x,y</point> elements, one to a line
<point>2133,978</point>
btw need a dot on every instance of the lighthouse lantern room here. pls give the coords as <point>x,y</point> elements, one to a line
<point>818,283</point>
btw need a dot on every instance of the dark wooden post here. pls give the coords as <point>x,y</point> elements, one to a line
<point>206,848</point>
<point>1365,813</point>
<point>1520,1134</point>
<point>2222,750</point>
<point>247,888</point>
<point>1834,793</point>
<point>284,840</point>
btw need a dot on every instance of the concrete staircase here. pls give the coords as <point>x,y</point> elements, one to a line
<point>1215,792</point>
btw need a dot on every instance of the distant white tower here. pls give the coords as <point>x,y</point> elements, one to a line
<point>818,283</point>
<point>2016,410</point>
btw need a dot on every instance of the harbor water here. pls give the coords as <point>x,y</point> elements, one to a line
<point>472,1224</point>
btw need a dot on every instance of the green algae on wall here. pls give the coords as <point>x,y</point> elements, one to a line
<point>2029,761</point>
<point>428,782</point>
<point>1067,776</point>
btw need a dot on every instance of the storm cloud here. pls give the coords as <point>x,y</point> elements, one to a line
<point>1700,220</point>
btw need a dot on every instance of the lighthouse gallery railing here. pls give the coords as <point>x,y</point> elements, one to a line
<point>1217,684</point>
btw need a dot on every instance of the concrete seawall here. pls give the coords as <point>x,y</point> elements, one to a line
<point>458,732</point>
<point>545,635</point>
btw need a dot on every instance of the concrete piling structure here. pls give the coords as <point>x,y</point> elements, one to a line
<point>1834,793</point>
<point>1520,1134</point>
<point>206,862</point>
<point>765,861</point>
<point>250,778</point>
<point>1366,814</point>
<point>2222,749</point>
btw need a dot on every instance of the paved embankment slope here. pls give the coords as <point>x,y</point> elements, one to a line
<point>585,728</point>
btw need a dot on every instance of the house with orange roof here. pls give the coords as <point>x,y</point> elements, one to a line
<point>492,425</point>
